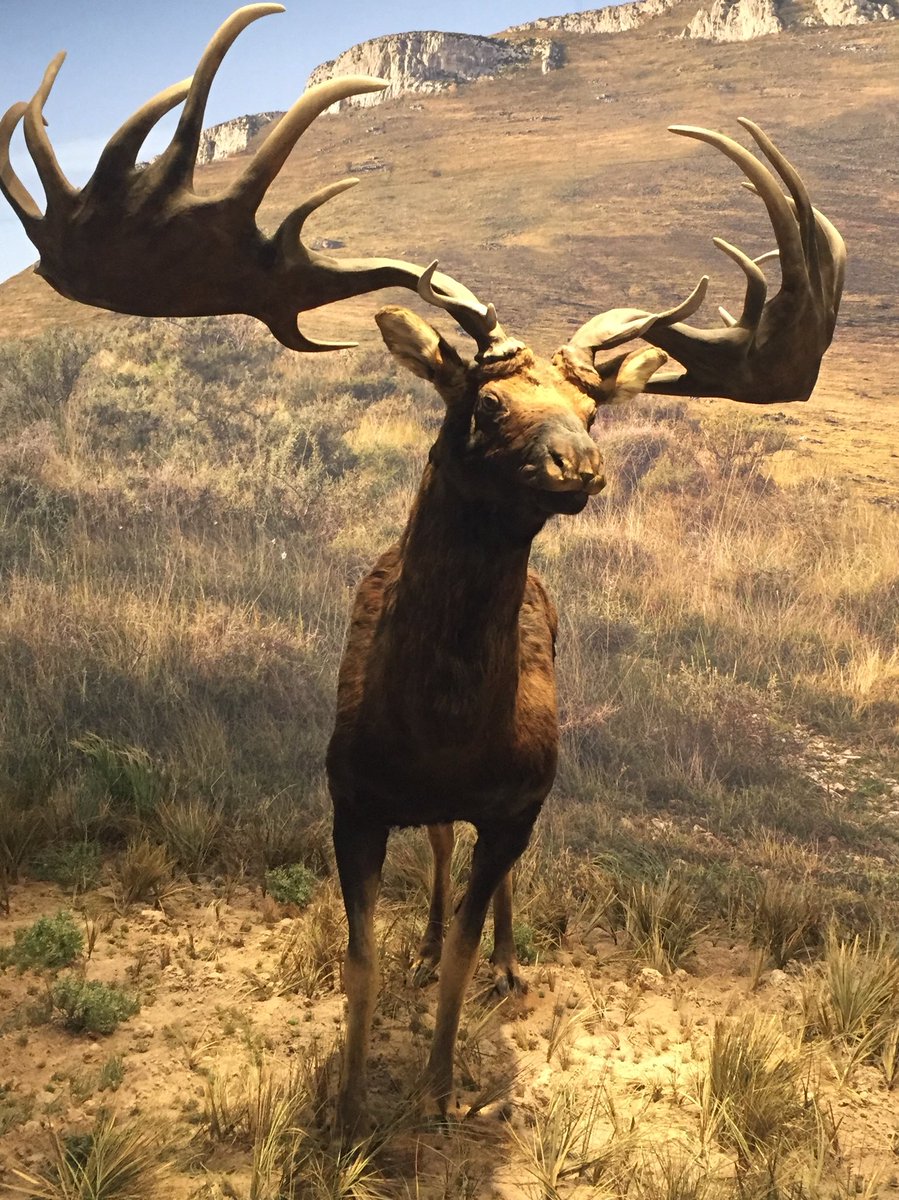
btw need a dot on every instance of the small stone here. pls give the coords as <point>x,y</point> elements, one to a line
<point>776,978</point>
<point>619,988</point>
<point>650,980</point>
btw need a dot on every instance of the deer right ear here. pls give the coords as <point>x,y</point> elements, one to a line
<point>422,350</point>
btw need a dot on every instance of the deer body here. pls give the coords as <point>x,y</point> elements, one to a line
<point>446,706</point>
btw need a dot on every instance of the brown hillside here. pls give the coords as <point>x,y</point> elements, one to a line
<point>558,196</point>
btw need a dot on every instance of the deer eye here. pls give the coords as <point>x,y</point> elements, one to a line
<point>491,405</point>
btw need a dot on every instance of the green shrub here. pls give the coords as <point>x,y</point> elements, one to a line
<point>74,865</point>
<point>290,885</point>
<point>50,942</point>
<point>90,1007</point>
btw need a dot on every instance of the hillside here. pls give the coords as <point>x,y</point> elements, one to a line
<point>707,912</point>
<point>560,195</point>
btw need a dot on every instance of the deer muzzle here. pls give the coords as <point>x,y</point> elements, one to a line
<point>566,464</point>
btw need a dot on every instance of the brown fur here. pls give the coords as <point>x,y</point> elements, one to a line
<point>446,705</point>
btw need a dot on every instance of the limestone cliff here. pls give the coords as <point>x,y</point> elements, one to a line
<point>741,20</point>
<point>232,137</point>
<point>723,20</point>
<point>426,61</point>
<point>615,19</point>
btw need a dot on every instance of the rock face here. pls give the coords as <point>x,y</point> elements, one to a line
<point>429,62</point>
<point>735,21</point>
<point>232,137</point>
<point>740,20</point>
<point>723,20</point>
<point>616,19</point>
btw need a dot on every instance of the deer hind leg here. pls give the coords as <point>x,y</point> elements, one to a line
<point>497,849</point>
<point>506,974</point>
<point>424,968</point>
<point>359,850</point>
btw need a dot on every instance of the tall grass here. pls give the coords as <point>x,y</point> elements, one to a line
<point>184,513</point>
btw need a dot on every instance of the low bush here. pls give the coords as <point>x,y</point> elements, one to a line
<point>290,885</point>
<point>87,1006</point>
<point>51,942</point>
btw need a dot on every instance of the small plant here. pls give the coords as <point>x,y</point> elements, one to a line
<point>112,1072</point>
<point>852,998</point>
<point>525,942</point>
<point>291,885</point>
<point>75,865</point>
<point>192,829</point>
<point>126,773</point>
<point>15,1107</point>
<point>51,942</point>
<point>143,871</point>
<point>114,1162</point>
<point>87,1006</point>
<point>662,921</point>
<point>20,828</point>
<point>787,920</point>
<point>755,1097</point>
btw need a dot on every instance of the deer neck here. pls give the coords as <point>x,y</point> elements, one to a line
<point>457,601</point>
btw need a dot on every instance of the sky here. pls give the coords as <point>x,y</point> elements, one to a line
<point>121,52</point>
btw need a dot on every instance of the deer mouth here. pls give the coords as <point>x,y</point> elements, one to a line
<point>562,503</point>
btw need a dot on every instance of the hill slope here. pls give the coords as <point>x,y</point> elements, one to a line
<point>560,195</point>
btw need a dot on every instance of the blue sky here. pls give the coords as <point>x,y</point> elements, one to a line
<point>120,52</point>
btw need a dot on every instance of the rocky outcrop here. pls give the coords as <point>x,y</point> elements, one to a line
<point>735,21</point>
<point>616,19</point>
<point>232,137</point>
<point>856,12</point>
<point>430,62</point>
<point>740,20</point>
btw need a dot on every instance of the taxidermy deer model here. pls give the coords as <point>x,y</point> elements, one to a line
<point>446,699</point>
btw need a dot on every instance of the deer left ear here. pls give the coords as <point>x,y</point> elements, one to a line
<point>618,378</point>
<point>423,351</point>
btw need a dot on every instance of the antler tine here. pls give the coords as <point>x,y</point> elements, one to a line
<point>802,203</point>
<point>54,182</point>
<point>614,328</point>
<point>13,189</point>
<point>477,319</point>
<point>249,190</point>
<point>120,151</point>
<point>176,164</point>
<point>786,231</point>
<point>756,284</point>
<point>288,235</point>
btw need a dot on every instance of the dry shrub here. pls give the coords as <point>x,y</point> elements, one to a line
<point>143,872</point>
<point>852,999</point>
<point>787,919</point>
<point>755,1094</point>
<point>662,920</point>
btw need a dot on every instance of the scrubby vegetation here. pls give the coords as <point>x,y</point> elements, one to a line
<point>185,513</point>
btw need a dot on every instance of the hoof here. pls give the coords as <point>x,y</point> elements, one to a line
<point>423,971</point>
<point>352,1123</point>
<point>508,980</point>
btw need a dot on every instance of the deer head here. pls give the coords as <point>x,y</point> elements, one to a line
<point>142,242</point>
<point>517,427</point>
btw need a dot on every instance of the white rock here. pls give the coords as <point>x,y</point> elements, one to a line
<point>650,980</point>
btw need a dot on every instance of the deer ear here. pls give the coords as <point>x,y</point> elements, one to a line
<point>422,350</point>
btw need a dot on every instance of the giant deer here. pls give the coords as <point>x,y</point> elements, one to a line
<point>446,698</point>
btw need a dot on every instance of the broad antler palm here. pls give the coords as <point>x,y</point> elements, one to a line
<point>141,241</point>
<point>772,352</point>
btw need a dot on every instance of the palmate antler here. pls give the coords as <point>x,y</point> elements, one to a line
<point>142,242</point>
<point>772,352</point>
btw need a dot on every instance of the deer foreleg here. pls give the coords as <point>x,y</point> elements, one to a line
<point>496,851</point>
<point>360,855</point>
